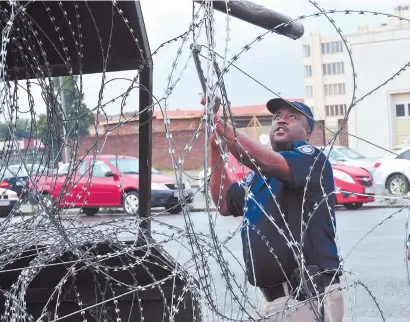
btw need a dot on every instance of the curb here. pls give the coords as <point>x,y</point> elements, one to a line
<point>213,208</point>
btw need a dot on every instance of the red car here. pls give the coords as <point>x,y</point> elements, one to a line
<point>354,186</point>
<point>113,184</point>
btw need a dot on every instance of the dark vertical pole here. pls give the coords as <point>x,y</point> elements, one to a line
<point>145,126</point>
<point>145,146</point>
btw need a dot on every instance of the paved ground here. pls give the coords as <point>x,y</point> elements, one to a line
<point>377,260</point>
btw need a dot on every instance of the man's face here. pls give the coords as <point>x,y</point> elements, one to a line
<point>288,126</point>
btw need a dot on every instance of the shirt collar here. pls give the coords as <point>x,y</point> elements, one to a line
<point>298,144</point>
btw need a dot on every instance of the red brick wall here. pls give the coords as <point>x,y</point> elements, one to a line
<point>343,137</point>
<point>126,143</point>
<point>318,135</point>
<point>161,158</point>
<point>158,125</point>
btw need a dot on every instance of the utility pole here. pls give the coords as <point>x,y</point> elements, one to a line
<point>66,149</point>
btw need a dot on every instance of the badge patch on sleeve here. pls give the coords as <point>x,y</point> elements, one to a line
<point>306,149</point>
<point>249,178</point>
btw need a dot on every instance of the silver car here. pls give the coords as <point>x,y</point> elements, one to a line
<point>348,156</point>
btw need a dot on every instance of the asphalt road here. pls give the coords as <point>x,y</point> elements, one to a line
<point>377,259</point>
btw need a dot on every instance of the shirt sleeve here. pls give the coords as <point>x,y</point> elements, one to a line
<point>306,165</point>
<point>235,197</point>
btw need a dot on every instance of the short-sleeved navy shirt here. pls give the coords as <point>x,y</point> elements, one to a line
<point>266,251</point>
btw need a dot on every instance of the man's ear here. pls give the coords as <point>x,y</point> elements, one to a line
<point>308,135</point>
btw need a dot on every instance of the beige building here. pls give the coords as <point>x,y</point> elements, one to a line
<point>325,62</point>
<point>324,71</point>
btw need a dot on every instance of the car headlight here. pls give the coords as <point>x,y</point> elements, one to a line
<point>343,176</point>
<point>158,186</point>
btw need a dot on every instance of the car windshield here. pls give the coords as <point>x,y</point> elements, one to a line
<point>351,154</point>
<point>63,169</point>
<point>126,166</point>
<point>16,171</point>
<point>333,161</point>
<point>129,166</point>
<point>10,173</point>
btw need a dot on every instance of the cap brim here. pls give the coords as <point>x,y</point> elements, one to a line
<point>276,103</point>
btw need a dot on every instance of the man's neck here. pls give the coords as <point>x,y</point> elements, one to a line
<point>282,148</point>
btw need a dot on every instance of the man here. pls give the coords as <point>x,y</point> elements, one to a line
<point>299,181</point>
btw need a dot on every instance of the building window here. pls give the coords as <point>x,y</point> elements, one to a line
<point>400,110</point>
<point>306,50</point>
<point>333,68</point>
<point>334,89</point>
<point>308,71</point>
<point>309,91</point>
<point>332,47</point>
<point>335,110</point>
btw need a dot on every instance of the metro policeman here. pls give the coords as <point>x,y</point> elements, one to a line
<point>299,177</point>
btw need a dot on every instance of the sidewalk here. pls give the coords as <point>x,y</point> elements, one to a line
<point>199,205</point>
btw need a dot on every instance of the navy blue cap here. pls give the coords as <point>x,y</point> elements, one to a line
<point>276,103</point>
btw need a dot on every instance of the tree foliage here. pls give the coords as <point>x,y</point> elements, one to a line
<point>21,129</point>
<point>77,120</point>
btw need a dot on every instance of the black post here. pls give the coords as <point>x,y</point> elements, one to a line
<point>145,147</point>
<point>145,126</point>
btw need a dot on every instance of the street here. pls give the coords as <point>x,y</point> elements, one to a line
<point>377,261</point>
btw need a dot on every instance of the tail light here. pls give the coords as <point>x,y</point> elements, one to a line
<point>4,184</point>
<point>377,164</point>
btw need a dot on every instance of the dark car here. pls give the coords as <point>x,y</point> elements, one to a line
<point>14,178</point>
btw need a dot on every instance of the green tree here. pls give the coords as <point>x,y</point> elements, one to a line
<point>76,121</point>
<point>79,117</point>
<point>41,124</point>
<point>21,129</point>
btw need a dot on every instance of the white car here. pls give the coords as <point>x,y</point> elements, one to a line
<point>393,172</point>
<point>350,157</point>
<point>8,200</point>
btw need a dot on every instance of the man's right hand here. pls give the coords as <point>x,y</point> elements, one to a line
<point>216,106</point>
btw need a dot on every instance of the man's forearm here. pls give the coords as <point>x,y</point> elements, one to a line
<point>271,163</point>
<point>218,186</point>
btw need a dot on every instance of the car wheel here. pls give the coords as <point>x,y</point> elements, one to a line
<point>91,211</point>
<point>175,209</point>
<point>353,206</point>
<point>131,203</point>
<point>397,184</point>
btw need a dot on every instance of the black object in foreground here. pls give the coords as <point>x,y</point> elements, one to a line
<point>136,285</point>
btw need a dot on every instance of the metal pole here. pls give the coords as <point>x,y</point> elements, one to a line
<point>260,16</point>
<point>145,148</point>
<point>66,154</point>
<point>145,127</point>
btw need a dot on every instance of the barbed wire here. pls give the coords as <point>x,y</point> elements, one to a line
<point>57,264</point>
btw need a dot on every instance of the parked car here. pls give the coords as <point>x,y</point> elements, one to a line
<point>354,185</point>
<point>110,181</point>
<point>16,179</point>
<point>348,156</point>
<point>393,172</point>
<point>36,169</point>
<point>8,200</point>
